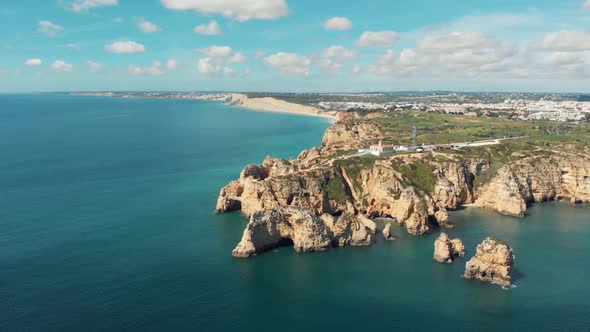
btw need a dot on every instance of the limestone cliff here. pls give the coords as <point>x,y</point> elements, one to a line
<point>303,229</point>
<point>492,263</point>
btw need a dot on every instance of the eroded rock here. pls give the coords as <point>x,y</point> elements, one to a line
<point>492,262</point>
<point>445,249</point>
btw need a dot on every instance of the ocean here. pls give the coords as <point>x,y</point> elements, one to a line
<point>108,224</point>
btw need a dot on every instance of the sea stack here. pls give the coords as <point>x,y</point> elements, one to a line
<point>387,232</point>
<point>445,250</point>
<point>492,263</point>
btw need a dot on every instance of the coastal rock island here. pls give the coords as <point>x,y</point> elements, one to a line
<point>415,186</point>
<point>492,263</point>
<point>304,230</point>
<point>446,250</point>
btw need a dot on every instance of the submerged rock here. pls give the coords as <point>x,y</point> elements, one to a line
<point>445,250</point>
<point>492,263</point>
<point>387,232</point>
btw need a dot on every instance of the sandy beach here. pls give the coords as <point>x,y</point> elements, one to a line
<point>268,104</point>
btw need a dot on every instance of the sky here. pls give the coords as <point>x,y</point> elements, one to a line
<point>294,45</point>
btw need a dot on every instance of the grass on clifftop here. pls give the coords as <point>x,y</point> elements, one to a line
<point>418,174</point>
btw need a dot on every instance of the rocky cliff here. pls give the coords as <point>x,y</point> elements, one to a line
<point>304,230</point>
<point>416,190</point>
<point>492,263</point>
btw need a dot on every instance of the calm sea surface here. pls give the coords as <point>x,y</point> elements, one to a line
<point>107,224</point>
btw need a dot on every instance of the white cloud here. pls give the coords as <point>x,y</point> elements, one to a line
<point>259,54</point>
<point>62,66</point>
<point>241,10</point>
<point>34,62</point>
<point>171,64</point>
<point>338,24</point>
<point>356,69</point>
<point>217,51</point>
<point>454,41</point>
<point>229,71</point>
<point>247,71</point>
<point>567,41</point>
<point>147,26</point>
<point>378,39</point>
<point>118,19</point>
<point>586,6</point>
<point>50,29</point>
<point>331,58</point>
<point>206,66</point>
<point>237,58</point>
<point>93,67</point>
<point>339,53</point>
<point>85,5</point>
<point>289,63</point>
<point>563,58</point>
<point>125,47</point>
<point>154,70</point>
<point>210,29</point>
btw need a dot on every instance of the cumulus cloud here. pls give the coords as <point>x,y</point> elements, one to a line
<point>338,24</point>
<point>210,29</point>
<point>207,66</point>
<point>567,41</point>
<point>34,62</point>
<point>290,63</point>
<point>563,58</point>
<point>377,39</point>
<point>147,26</point>
<point>228,71</point>
<point>259,54</point>
<point>122,47</point>
<point>586,6</point>
<point>356,69</point>
<point>171,64</point>
<point>154,70</point>
<point>92,66</point>
<point>331,58</point>
<point>454,41</point>
<point>62,66</point>
<point>241,10</point>
<point>85,5</point>
<point>237,58</point>
<point>48,28</point>
<point>217,51</point>
<point>247,71</point>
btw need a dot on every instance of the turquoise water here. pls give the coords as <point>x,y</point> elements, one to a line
<point>108,225</point>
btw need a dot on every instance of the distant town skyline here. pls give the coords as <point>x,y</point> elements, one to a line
<point>297,46</point>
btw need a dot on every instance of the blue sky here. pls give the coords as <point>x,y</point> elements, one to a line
<point>288,45</point>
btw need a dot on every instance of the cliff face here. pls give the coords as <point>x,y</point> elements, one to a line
<point>380,190</point>
<point>492,263</point>
<point>304,230</point>
<point>535,180</point>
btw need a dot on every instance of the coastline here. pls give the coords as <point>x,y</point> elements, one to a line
<point>269,104</point>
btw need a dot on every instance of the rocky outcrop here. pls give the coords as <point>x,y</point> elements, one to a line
<point>350,133</point>
<point>387,235</point>
<point>304,230</point>
<point>272,228</point>
<point>534,180</point>
<point>351,230</point>
<point>492,263</point>
<point>446,250</point>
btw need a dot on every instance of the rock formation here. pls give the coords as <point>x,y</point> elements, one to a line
<point>445,250</point>
<point>271,228</point>
<point>492,263</point>
<point>304,230</point>
<point>387,232</point>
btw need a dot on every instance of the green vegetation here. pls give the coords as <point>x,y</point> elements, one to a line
<point>336,190</point>
<point>418,174</point>
<point>353,167</point>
